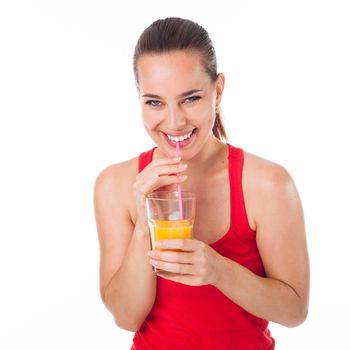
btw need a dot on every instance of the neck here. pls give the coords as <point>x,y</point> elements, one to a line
<point>204,158</point>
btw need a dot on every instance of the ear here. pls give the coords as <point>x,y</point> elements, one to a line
<point>219,87</point>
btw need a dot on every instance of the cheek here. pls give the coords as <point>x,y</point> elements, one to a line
<point>206,117</point>
<point>211,121</point>
<point>150,119</point>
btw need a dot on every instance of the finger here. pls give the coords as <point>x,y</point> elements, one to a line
<point>153,174</point>
<point>182,269</point>
<point>170,180</point>
<point>169,169</point>
<point>161,181</point>
<point>154,177</point>
<point>171,256</point>
<point>182,244</point>
<point>164,161</point>
<point>190,280</point>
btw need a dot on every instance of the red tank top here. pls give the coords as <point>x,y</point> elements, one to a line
<point>199,318</point>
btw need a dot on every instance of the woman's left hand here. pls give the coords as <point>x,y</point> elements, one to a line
<point>196,264</point>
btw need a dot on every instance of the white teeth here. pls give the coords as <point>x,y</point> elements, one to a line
<point>179,138</point>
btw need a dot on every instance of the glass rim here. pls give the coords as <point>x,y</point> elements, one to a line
<point>170,195</point>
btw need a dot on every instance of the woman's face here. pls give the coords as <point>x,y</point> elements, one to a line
<point>178,101</point>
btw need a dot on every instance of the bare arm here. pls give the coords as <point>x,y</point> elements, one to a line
<point>127,282</point>
<point>282,296</point>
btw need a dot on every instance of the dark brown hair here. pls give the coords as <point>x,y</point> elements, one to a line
<point>174,33</point>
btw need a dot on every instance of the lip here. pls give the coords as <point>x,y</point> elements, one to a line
<point>183,143</point>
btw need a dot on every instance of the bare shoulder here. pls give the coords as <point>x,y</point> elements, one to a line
<point>265,182</point>
<point>265,173</point>
<point>117,174</point>
<point>116,180</point>
<point>113,190</point>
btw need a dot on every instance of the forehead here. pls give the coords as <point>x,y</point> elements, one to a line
<point>176,70</point>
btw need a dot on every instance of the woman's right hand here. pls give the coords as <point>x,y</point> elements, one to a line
<point>157,174</point>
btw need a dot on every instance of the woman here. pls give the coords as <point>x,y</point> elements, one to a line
<point>247,263</point>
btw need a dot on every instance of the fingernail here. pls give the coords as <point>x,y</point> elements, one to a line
<point>183,166</point>
<point>182,177</point>
<point>176,159</point>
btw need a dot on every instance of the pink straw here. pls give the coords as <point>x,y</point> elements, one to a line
<point>179,184</point>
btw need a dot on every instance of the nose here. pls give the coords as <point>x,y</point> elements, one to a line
<point>176,119</point>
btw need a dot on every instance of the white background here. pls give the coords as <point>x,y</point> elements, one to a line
<point>69,108</point>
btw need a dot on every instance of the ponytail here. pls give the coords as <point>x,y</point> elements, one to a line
<point>218,128</point>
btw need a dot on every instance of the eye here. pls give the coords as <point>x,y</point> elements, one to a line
<point>154,103</point>
<point>192,99</point>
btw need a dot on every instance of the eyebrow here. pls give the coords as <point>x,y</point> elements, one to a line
<point>184,94</point>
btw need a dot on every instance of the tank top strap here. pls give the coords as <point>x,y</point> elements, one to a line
<point>145,158</point>
<point>239,218</point>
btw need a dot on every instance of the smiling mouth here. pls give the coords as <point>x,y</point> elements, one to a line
<point>180,138</point>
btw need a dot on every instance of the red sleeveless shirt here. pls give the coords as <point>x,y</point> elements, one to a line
<point>202,318</point>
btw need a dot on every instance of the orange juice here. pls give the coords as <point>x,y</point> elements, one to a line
<point>172,229</point>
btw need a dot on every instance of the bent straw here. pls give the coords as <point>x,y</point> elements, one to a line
<point>179,184</point>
